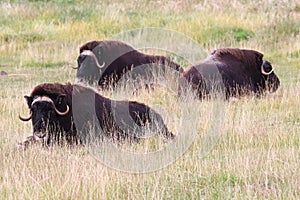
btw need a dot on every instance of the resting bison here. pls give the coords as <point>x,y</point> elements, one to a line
<point>52,111</point>
<point>239,72</point>
<point>106,61</point>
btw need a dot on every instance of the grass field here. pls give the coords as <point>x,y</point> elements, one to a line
<point>257,154</point>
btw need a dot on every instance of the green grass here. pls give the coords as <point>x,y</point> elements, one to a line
<point>257,155</point>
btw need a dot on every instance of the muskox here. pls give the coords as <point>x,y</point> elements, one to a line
<point>107,61</point>
<point>235,72</point>
<point>60,112</point>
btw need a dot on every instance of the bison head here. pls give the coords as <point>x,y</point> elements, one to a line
<point>270,78</point>
<point>245,66</point>
<point>88,66</point>
<point>260,71</point>
<point>96,58</point>
<point>47,116</point>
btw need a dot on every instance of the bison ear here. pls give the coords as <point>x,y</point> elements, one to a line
<point>60,99</point>
<point>28,100</point>
<point>259,56</point>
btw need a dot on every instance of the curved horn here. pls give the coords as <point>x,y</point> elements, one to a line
<point>100,66</point>
<point>97,63</point>
<point>25,119</point>
<point>47,99</point>
<point>92,54</point>
<point>263,70</point>
<point>61,113</point>
<point>75,67</point>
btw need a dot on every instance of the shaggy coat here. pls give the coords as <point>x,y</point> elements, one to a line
<point>236,71</point>
<point>106,61</point>
<point>115,119</point>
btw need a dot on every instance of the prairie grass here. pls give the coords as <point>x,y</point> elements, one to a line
<point>257,154</point>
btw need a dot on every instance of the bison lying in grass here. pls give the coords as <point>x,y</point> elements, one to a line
<point>237,71</point>
<point>107,61</point>
<point>57,112</point>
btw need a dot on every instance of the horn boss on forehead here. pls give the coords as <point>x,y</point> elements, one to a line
<point>47,99</point>
<point>92,56</point>
<point>50,101</point>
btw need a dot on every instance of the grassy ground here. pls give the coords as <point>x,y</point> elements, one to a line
<point>258,151</point>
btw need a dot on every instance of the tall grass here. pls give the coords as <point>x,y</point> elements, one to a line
<point>257,153</point>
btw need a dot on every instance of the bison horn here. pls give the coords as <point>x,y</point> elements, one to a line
<point>61,113</point>
<point>263,70</point>
<point>97,63</point>
<point>100,66</point>
<point>92,54</point>
<point>47,99</point>
<point>75,67</point>
<point>25,119</point>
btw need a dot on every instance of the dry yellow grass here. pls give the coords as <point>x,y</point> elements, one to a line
<point>257,154</point>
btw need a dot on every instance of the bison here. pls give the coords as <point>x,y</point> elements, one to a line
<point>59,112</point>
<point>107,61</point>
<point>237,71</point>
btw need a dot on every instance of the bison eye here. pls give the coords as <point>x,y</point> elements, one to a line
<point>80,59</point>
<point>33,108</point>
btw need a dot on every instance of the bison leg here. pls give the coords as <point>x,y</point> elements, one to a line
<point>29,141</point>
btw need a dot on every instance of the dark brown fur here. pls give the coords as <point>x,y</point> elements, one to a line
<point>84,98</point>
<point>119,58</point>
<point>239,69</point>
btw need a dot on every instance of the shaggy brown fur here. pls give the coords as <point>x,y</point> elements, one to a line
<point>239,69</point>
<point>119,58</point>
<point>86,101</point>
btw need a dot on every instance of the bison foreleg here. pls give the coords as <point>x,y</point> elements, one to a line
<point>29,141</point>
